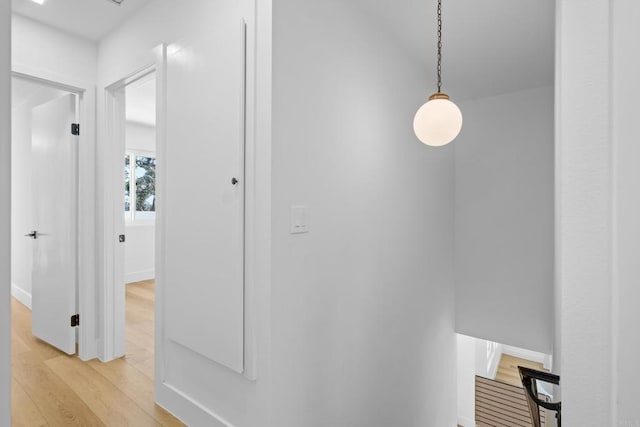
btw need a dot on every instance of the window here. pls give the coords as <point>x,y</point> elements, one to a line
<point>127,183</point>
<point>139,187</point>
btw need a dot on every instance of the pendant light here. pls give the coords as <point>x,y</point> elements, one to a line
<point>439,121</point>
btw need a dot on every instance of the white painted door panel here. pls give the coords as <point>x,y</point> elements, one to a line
<point>54,159</point>
<point>204,208</point>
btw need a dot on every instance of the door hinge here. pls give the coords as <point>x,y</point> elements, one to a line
<point>75,128</point>
<point>75,320</point>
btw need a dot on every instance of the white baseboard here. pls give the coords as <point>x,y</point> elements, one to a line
<point>548,362</point>
<point>533,356</point>
<point>187,409</point>
<point>466,422</point>
<point>492,370</point>
<point>21,295</point>
<point>139,276</point>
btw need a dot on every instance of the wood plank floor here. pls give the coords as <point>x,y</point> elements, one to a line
<point>50,388</point>
<point>501,405</point>
<point>508,369</point>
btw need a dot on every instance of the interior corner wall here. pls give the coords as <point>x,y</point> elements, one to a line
<point>625,90</point>
<point>362,305</point>
<point>50,53</point>
<point>5,214</point>
<point>504,230</point>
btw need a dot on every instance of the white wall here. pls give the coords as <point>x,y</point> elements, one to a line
<point>583,212</point>
<point>361,329</point>
<point>466,373</point>
<point>21,204</point>
<point>140,250</point>
<point>626,297</point>
<point>47,52</point>
<point>140,137</point>
<point>504,219</point>
<point>362,306</point>
<point>5,215</point>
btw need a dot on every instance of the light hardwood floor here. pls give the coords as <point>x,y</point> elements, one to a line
<point>50,388</point>
<point>508,369</point>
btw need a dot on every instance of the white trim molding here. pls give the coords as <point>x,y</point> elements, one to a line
<point>21,295</point>
<point>112,148</point>
<point>466,422</point>
<point>492,368</point>
<point>139,276</point>
<point>187,409</point>
<point>5,214</point>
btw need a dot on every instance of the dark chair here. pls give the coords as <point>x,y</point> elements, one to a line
<point>529,378</point>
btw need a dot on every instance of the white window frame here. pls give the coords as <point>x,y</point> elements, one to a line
<point>130,216</point>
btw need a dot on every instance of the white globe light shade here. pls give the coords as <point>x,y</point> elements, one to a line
<point>437,122</point>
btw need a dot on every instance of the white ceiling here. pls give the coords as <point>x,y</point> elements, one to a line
<point>141,101</point>
<point>490,46</point>
<point>90,19</point>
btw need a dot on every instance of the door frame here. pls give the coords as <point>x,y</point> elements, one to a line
<point>257,213</point>
<point>113,295</point>
<point>86,202</point>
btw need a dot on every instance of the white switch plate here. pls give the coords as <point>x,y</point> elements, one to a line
<point>299,219</point>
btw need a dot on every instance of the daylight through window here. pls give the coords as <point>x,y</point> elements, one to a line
<point>140,187</point>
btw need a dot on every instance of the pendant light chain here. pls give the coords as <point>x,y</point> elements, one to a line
<point>439,45</point>
<point>439,120</point>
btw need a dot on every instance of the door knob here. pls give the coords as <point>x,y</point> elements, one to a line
<point>33,234</point>
<point>234,181</point>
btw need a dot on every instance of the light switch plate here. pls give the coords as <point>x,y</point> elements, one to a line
<point>299,219</point>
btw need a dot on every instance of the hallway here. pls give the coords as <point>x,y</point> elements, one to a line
<point>50,388</point>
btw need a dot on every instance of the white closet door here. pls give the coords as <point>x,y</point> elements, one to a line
<point>204,190</point>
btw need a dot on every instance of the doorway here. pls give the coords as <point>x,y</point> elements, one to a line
<point>45,207</point>
<point>48,387</point>
<point>131,197</point>
<point>139,207</point>
<point>45,213</point>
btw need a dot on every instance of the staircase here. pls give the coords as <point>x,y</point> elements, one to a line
<point>502,405</point>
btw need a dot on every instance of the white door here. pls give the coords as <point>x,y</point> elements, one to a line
<point>54,160</point>
<point>203,182</point>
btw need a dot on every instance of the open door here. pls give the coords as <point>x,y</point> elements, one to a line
<point>54,234</point>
